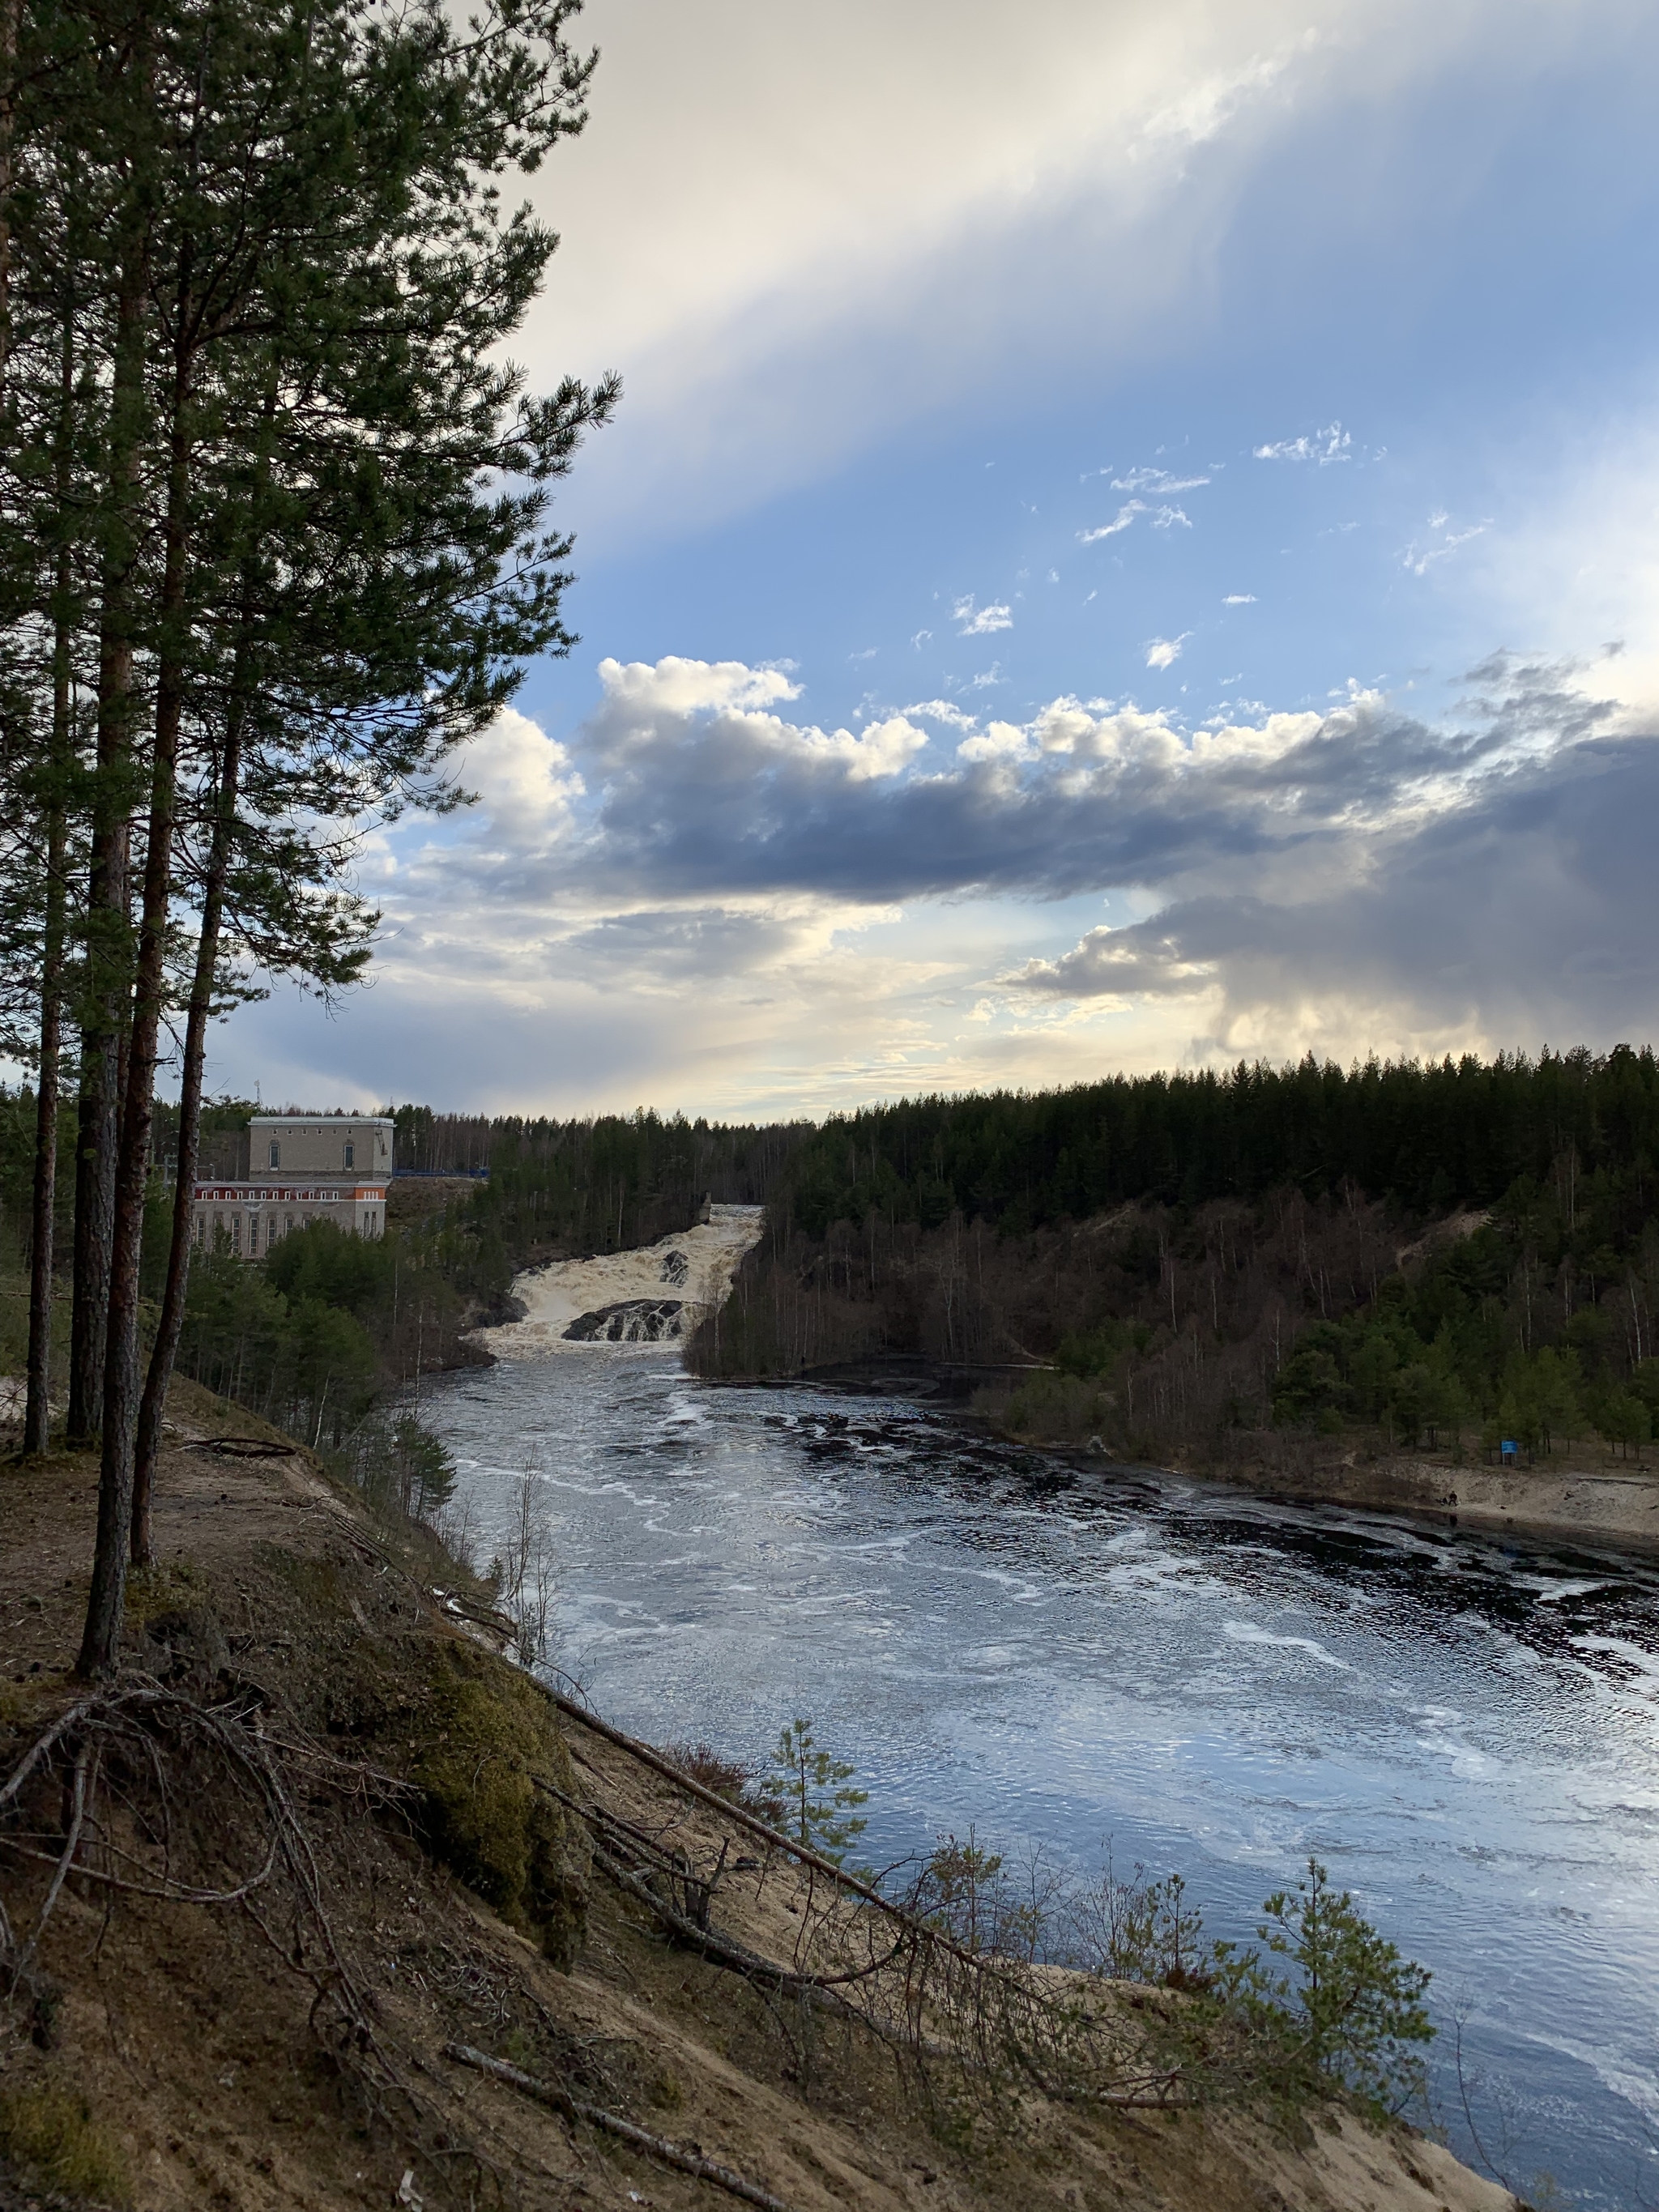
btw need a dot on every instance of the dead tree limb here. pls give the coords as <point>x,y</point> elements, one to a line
<point>657,2147</point>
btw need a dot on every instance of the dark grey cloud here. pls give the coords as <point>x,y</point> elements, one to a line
<point>1531,910</point>
<point>676,944</point>
<point>729,801</point>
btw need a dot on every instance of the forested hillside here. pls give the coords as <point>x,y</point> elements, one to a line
<point>1214,1264</point>
<point>1431,1252</point>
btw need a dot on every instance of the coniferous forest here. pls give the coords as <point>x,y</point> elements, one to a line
<point>1228,1266</point>
<point>1453,1254</point>
<point>274,539</point>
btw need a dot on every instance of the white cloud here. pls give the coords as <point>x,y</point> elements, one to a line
<point>523,781</point>
<point>1168,518</point>
<point>1002,741</point>
<point>942,710</point>
<point>1125,515</point>
<point>715,905</point>
<point>881,749</point>
<point>1239,600</point>
<point>1421,555</point>
<point>980,622</point>
<point>1160,480</point>
<point>689,687</point>
<point>1165,652</point>
<point>1333,443</point>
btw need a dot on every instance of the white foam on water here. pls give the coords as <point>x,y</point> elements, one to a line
<point>556,1295</point>
<point>1251,1632</point>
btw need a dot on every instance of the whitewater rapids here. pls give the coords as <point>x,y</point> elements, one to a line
<point>626,1299</point>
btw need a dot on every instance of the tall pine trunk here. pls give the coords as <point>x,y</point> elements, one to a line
<point>37,1416</point>
<point>11,15</point>
<point>100,1642</point>
<point>171,1322</point>
<point>170,1327</point>
<point>103,1015</point>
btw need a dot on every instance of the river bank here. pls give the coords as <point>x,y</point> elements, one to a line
<point>1602,1504</point>
<point>450,1968</point>
<point>1593,1505</point>
<point>1606,1503</point>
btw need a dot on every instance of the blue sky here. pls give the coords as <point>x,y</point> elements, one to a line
<point>1070,467</point>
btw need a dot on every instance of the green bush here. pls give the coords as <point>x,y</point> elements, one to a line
<point>819,1807</point>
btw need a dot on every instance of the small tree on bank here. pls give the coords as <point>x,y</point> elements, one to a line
<point>820,1807</point>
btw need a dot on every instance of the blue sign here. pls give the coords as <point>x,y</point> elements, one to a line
<point>1507,1449</point>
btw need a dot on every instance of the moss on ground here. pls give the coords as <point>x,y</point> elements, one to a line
<point>481,1734</point>
<point>49,2136</point>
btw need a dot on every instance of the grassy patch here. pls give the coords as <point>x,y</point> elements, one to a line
<point>49,2135</point>
<point>483,1731</point>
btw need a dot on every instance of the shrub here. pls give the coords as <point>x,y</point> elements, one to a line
<point>485,1732</point>
<point>818,1806</point>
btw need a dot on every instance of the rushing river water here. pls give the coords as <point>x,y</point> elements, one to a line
<point>1464,1729</point>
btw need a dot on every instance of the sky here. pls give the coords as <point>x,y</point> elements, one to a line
<point>1131,540</point>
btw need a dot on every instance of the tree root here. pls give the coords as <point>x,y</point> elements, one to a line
<point>611,2123</point>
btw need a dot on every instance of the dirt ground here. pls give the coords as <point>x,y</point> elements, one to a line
<point>202,2043</point>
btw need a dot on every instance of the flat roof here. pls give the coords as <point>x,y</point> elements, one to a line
<point>383,1120</point>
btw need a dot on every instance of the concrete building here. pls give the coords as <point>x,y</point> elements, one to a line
<point>300,1167</point>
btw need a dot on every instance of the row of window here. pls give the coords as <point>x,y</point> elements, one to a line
<point>371,1227</point>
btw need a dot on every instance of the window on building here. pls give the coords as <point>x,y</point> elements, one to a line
<point>253,1234</point>
<point>236,1231</point>
<point>351,1156</point>
<point>288,1222</point>
<point>275,1153</point>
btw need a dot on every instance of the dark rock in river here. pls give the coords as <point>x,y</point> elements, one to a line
<point>674,1268</point>
<point>633,1321</point>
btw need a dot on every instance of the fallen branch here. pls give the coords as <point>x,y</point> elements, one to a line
<point>657,2147</point>
<point>715,1943</point>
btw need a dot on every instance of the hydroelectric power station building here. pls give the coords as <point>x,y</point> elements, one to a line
<point>299,1167</point>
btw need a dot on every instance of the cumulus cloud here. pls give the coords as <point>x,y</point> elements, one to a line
<point>980,621</point>
<point>684,687</point>
<point>1165,652</point>
<point>522,780</point>
<point>1322,878</point>
<point>1333,443</point>
<point>1239,600</point>
<point>1522,911</point>
<point>696,800</point>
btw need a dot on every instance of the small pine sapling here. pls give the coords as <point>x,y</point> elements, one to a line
<point>819,1805</point>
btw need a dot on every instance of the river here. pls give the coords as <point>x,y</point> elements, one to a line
<point>1464,1729</point>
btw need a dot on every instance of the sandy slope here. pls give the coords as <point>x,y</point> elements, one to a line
<point>193,2038</point>
<point>555,1296</point>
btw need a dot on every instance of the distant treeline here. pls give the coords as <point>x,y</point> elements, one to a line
<point>1205,1261</point>
<point>1195,1260</point>
<point>1424,1137</point>
<point>599,1185</point>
